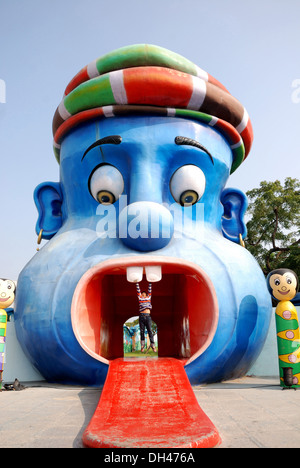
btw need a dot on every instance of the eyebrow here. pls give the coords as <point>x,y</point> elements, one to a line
<point>111,139</point>
<point>181,140</point>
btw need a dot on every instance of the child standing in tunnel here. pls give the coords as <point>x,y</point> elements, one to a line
<point>145,307</point>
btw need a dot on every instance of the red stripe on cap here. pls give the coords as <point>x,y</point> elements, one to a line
<point>229,131</point>
<point>247,136</point>
<point>81,77</point>
<point>158,86</point>
<point>75,120</point>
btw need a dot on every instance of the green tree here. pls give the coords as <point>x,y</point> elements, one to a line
<point>274,225</point>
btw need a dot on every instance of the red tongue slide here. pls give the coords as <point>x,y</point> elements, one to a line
<point>149,403</point>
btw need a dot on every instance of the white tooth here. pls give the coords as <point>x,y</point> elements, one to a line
<point>153,273</point>
<point>134,274</point>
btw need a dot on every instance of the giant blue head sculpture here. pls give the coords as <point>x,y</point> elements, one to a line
<point>146,142</point>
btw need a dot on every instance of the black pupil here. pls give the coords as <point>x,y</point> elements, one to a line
<point>105,198</point>
<point>188,199</point>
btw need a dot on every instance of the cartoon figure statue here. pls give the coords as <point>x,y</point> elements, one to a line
<point>283,286</point>
<point>145,141</point>
<point>7,297</point>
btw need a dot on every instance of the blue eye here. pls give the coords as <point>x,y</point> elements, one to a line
<point>187,185</point>
<point>106,184</point>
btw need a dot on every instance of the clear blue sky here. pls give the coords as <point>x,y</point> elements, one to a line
<point>252,47</point>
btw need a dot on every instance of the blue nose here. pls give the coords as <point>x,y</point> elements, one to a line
<point>145,226</point>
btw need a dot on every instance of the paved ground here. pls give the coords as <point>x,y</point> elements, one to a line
<point>248,413</point>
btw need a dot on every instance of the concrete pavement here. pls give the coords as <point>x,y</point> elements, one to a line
<point>249,413</point>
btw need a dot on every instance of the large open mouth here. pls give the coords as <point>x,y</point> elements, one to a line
<point>184,307</point>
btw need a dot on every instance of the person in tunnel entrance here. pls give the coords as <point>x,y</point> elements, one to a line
<point>145,321</point>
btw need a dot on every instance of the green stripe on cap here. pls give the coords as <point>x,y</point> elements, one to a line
<point>142,55</point>
<point>193,114</point>
<point>238,157</point>
<point>93,93</point>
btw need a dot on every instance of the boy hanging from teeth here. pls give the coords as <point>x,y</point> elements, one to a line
<point>144,315</point>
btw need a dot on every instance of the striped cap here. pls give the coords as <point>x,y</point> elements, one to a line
<point>147,79</point>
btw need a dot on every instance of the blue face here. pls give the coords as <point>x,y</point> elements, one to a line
<point>142,194</point>
<point>147,165</point>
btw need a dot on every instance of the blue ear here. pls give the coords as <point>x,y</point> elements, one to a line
<point>48,200</point>
<point>235,205</point>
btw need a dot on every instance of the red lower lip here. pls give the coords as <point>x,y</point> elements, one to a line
<point>184,302</point>
<point>4,300</point>
<point>284,292</point>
